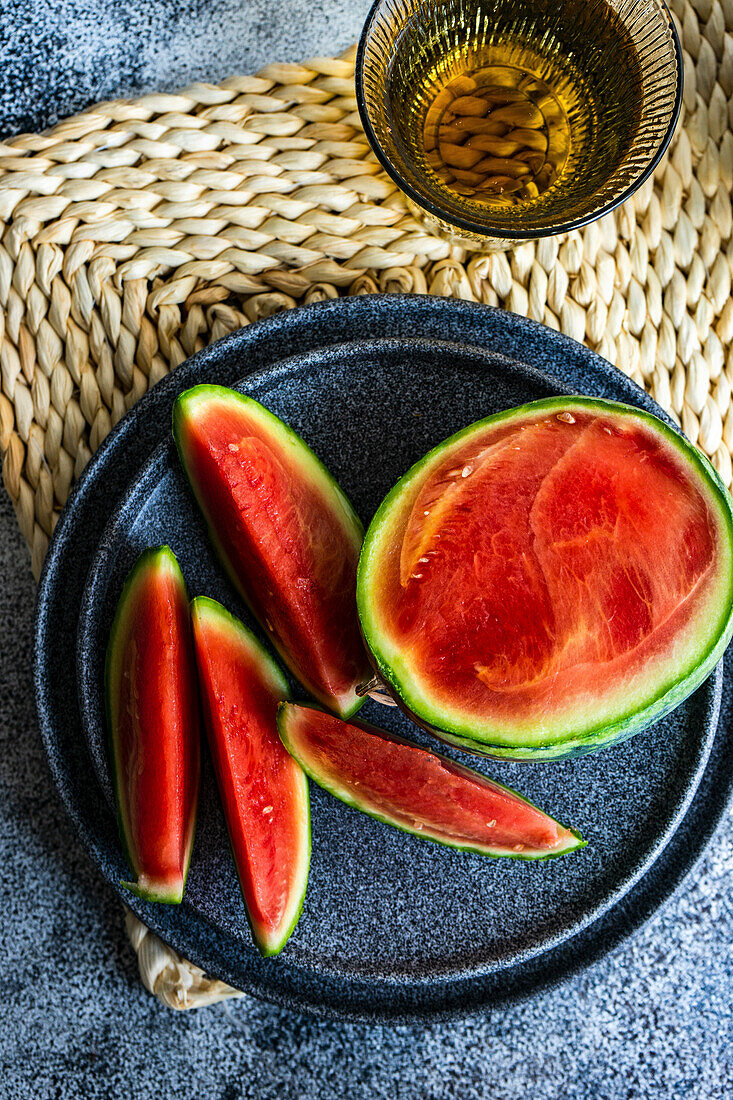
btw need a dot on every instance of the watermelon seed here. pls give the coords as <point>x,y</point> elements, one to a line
<point>466,471</point>
<point>373,688</point>
<point>267,809</point>
<point>566,417</point>
<point>381,697</point>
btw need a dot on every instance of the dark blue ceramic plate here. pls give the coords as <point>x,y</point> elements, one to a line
<point>392,926</point>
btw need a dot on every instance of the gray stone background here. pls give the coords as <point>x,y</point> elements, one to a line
<point>653,1019</point>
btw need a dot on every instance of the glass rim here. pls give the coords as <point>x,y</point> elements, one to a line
<point>477,228</point>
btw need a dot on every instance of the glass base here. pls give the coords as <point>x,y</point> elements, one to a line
<point>470,241</point>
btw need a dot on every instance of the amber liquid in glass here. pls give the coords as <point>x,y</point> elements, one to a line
<point>509,116</point>
<point>498,134</point>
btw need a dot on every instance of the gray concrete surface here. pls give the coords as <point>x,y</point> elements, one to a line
<point>59,56</point>
<point>653,1019</point>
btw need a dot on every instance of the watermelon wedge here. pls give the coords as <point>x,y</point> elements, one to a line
<point>263,791</point>
<point>153,722</point>
<point>550,580</point>
<point>417,791</point>
<point>285,532</point>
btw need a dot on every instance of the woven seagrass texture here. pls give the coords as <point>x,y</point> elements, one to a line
<point>139,231</point>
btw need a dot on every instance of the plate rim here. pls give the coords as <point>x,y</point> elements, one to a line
<point>305,314</point>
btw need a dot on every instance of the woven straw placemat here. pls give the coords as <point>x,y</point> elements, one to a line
<point>139,231</point>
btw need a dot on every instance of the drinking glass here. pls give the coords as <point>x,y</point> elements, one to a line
<point>600,80</point>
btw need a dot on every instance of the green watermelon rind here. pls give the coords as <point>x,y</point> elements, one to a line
<point>184,407</point>
<point>520,746</point>
<point>575,841</point>
<point>152,558</point>
<point>204,605</point>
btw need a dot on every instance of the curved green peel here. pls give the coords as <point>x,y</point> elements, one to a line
<point>153,562</point>
<point>577,737</point>
<point>241,685</point>
<point>345,664</point>
<point>407,809</point>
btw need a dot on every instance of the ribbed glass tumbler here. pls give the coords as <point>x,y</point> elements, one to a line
<point>509,120</point>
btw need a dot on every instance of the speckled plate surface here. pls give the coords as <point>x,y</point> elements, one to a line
<point>392,927</point>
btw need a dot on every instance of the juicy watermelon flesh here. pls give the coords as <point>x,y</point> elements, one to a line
<point>538,562</point>
<point>263,791</point>
<point>292,550</point>
<point>155,729</point>
<point>417,790</point>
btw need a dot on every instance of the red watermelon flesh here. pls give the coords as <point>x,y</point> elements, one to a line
<point>264,792</point>
<point>542,569</point>
<point>285,531</point>
<point>153,720</point>
<point>418,791</point>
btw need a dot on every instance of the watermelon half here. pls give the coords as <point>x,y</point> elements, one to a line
<point>418,791</point>
<point>549,580</point>
<point>286,533</point>
<point>263,791</point>
<point>153,722</point>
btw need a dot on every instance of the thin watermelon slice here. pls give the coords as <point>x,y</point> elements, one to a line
<point>284,530</point>
<point>549,580</point>
<point>153,721</point>
<point>264,792</point>
<point>417,791</point>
